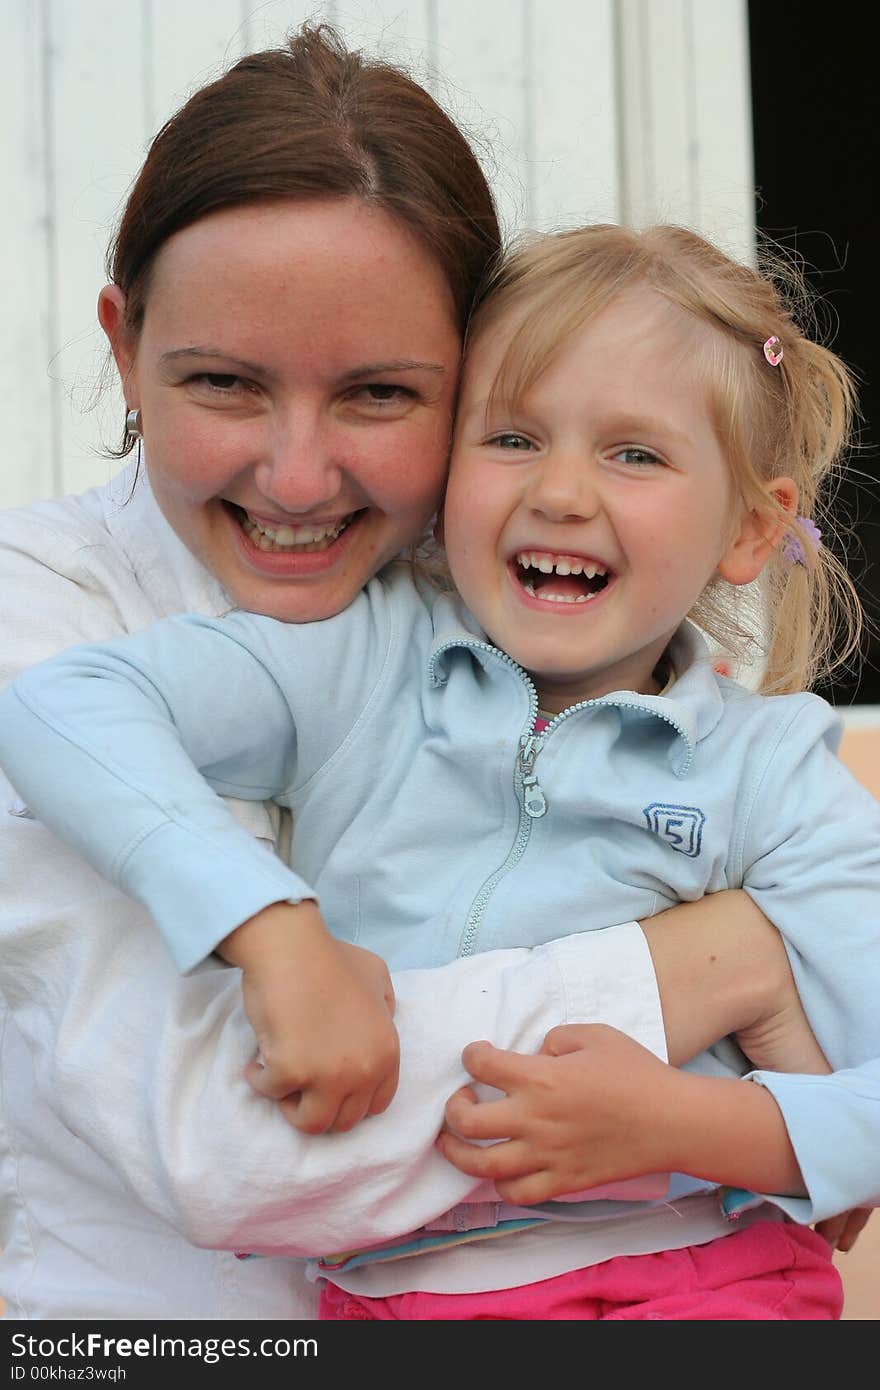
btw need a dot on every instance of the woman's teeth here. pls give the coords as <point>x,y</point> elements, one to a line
<point>293,537</point>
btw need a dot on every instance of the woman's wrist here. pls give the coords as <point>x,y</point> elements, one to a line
<point>720,966</point>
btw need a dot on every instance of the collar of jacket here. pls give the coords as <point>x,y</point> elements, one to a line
<point>690,710</point>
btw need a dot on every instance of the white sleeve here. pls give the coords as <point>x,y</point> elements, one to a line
<point>146,1067</point>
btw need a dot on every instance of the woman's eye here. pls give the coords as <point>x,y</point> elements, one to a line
<point>383,393</point>
<point>518,443</point>
<point>222,383</point>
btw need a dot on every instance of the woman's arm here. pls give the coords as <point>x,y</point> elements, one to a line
<point>720,964</point>
<point>722,970</point>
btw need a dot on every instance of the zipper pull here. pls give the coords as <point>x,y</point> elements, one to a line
<point>534,800</point>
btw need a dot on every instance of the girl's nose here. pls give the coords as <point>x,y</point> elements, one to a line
<point>563,487</point>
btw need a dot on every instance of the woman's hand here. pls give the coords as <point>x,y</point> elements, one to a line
<point>842,1232</point>
<point>321,1011</point>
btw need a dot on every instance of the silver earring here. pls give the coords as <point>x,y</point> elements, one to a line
<point>133,424</point>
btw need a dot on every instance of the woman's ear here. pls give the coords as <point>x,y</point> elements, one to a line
<point>758,535</point>
<point>111,316</point>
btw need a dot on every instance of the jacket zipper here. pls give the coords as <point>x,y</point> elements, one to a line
<point>530,794</point>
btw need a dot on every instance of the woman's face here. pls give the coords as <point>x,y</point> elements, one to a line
<point>295,374</point>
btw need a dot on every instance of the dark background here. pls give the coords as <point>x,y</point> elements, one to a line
<point>816,114</point>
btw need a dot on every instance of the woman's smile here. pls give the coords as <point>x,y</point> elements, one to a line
<point>293,550</point>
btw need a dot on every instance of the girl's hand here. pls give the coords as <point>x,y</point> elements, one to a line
<point>584,1111</point>
<point>322,1012</point>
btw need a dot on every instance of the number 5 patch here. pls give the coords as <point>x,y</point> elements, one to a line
<point>680,826</point>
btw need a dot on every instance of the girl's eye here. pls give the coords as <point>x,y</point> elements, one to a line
<point>636,456</point>
<point>516,443</point>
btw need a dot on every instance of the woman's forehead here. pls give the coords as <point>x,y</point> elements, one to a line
<point>329,266</point>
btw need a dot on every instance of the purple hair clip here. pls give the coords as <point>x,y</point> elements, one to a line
<point>793,550</point>
<point>773,350</point>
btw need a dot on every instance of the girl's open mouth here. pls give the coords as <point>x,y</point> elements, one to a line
<point>553,578</point>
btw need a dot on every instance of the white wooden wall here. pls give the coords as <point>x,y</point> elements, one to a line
<point>620,110</point>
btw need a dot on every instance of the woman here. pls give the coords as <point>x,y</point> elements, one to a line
<point>290,282</point>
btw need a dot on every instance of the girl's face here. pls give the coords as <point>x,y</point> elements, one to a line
<point>295,374</point>
<point>582,525</point>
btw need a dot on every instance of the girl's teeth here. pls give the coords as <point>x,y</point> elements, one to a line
<point>533,559</point>
<point>550,597</point>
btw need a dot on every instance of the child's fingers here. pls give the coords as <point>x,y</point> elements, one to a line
<point>269,1081</point>
<point>583,1037</point>
<point>495,1067</point>
<point>384,1093</point>
<point>478,1119</point>
<point>525,1192</point>
<point>499,1161</point>
<point>314,1111</point>
<point>360,1104</point>
<point>350,1113</point>
<point>566,1038</point>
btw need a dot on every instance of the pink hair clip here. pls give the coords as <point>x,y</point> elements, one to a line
<point>773,350</point>
<point>793,549</point>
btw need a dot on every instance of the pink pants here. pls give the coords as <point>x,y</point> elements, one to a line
<point>772,1271</point>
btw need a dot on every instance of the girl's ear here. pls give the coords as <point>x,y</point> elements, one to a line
<point>758,535</point>
<point>111,316</point>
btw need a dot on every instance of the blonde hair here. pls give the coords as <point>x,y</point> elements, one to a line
<point>802,620</point>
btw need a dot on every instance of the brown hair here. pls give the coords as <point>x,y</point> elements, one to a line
<point>310,119</point>
<point>792,420</point>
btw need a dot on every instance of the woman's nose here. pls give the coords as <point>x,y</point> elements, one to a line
<point>563,486</point>
<point>302,470</point>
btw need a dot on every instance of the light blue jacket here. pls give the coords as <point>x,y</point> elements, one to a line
<point>429,821</point>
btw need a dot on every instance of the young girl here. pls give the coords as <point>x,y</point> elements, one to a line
<point>642,436</point>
